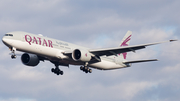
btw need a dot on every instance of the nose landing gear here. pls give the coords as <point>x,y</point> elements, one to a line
<point>13,56</point>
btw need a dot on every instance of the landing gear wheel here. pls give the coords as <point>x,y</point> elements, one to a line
<point>90,70</point>
<point>53,70</point>
<point>81,68</point>
<point>86,69</point>
<point>13,56</point>
<point>61,72</point>
<point>57,73</point>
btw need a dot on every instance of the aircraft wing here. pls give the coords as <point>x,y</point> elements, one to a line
<point>118,50</point>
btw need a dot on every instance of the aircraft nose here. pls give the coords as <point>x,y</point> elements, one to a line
<point>3,39</point>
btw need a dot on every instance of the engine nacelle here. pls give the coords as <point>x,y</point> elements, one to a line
<point>81,55</point>
<point>30,59</point>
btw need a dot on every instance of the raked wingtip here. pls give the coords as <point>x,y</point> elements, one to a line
<point>172,40</point>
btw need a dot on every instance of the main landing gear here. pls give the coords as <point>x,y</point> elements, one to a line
<point>57,70</point>
<point>86,69</point>
<point>13,56</point>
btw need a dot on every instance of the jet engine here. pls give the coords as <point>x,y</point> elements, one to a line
<point>30,59</point>
<point>81,55</point>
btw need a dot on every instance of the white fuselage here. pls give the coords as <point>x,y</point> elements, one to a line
<point>53,50</point>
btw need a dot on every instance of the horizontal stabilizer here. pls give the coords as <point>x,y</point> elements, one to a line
<point>138,61</point>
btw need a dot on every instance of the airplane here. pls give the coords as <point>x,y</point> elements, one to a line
<point>38,48</point>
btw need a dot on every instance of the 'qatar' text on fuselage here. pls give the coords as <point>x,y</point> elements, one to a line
<point>36,40</point>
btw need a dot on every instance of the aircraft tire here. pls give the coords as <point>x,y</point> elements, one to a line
<point>57,73</point>
<point>81,68</point>
<point>86,71</point>
<point>85,68</point>
<point>61,72</point>
<point>13,56</point>
<point>90,70</point>
<point>53,70</point>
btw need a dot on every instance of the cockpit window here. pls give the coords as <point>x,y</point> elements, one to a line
<point>8,35</point>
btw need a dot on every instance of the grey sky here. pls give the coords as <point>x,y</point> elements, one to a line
<point>94,24</point>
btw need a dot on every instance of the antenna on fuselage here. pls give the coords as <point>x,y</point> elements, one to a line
<point>40,34</point>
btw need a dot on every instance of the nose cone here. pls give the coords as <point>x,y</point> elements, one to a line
<point>3,39</point>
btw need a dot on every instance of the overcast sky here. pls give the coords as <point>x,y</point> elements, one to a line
<point>94,24</point>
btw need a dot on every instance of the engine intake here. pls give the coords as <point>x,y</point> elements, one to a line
<point>81,55</point>
<point>30,59</point>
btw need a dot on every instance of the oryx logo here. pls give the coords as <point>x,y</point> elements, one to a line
<point>125,43</point>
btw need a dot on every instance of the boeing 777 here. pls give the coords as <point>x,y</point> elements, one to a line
<point>37,48</point>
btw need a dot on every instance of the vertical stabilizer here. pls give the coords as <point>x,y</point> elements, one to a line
<point>125,42</point>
